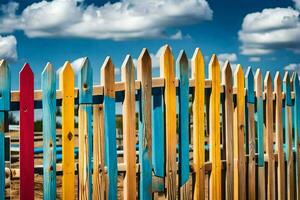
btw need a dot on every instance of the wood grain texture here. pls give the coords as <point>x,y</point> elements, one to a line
<point>129,130</point>
<point>281,194</point>
<point>198,75</point>
<point>4,107</point>
<point>167,71</point>
<point>85,85</point>
<point>183,96</point>
<point>66,85</point>
<point>269,137</point>
<point>250,140</point>
<point>289,138</point>
<point>229,110</point>
<point>99,174</point>
<point>49,131</point>
<point>261,194</point>
<point>214,129</point>
<point>144,74</point>
<point>26,133</point>
<point>109,109</point>
<point>296,122</point>
<point>239,138</point>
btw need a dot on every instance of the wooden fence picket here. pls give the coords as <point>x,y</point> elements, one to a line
<point>4,107</point>
<point>198,75</point>
<point>167,71</point>
<point>279,138</point>
<point>183,96</point>
<point>261,193</point>
<point>250,140</point>
<point>296,122</point>
<point>66,85</point>
<point>85,130</point>
<point>49,131</point>
<point>229,110</point>
<point>214,129</point>
<point>109,110</point>
<point>144,74</point>
<point>129,129</point>
<point>26,133</point>
<point>239,138</point>
<point>288,137</point>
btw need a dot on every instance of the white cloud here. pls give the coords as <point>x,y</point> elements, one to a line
<point>8,48</point>
<point>254,59</point>
<point>272,29</point>
<point>231,57</point>
<point>297,4</point>
<point>126,19</point>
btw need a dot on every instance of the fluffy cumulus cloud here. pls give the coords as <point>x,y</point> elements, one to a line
<point>8,48</point>
<point>270,30</point>
<point>126,19</point>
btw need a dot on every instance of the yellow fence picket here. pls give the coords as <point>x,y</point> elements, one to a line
<point>198,75</point>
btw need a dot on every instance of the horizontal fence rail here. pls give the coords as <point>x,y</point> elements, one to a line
<point>232,135</point>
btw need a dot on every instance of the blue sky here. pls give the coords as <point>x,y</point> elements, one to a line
<point>257,33</point>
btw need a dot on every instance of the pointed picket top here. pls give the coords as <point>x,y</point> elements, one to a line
<point>85,83</point>
<point>258,83</point>
<point>238,75</point>
<point>4,86</point>
<point>268,81</point>
<point>26,70</point>
<point>182,63</point>
<point>296,82</point>
<point>277,81</point>
<point>214,68</point>
<point>249,82</point>
<point>287,88</point>
<point>197,63</point>
<point>108,77</point>
<point>144,64</point>
<point>127,68</point>
<point>166,61</point>
<point>48,80</point>
<point>226,73</point>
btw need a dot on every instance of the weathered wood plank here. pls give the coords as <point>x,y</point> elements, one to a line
<point>85,134</point>
<point>250,124</point>
<point>279,138</point>
<point>99,175</point>
<point>66,85</point>
<point>26,133</point>
<point>261,194</point>
<point>167,71</point>
<point>214,127</point>
<point>184,161</point>
<point>109,109</point>
<point>239,138</point>
<point>129,130</point>
<point>4,107</point>
<point>144,74</point>
<point>198,75</point>
<point>269,136</point>
<point>49,131</point>
<point>289,138</point>
<point>229,110</point>
<point>296,120</point>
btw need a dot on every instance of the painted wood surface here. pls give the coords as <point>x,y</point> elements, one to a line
<point>281,194</point>
<point>183,97</point>
<point>229,110</point>
<point>144,74</point>
<point>129,129</point>
<point>85,134</point>
<point>288,138</point>
<point>259,115</point>
<point>26,133</point>
<point>66,85</point>
<point>109,110</point>
<point>239,138</point>
<point>214,129</point>
<point>99,173</point>
<point>250,138</point>
<point>269,136</point>
<point>167,71</point>
<point>49,131</point>
<point>198,75</point>
<point>4,107</point>
<point>296,122</point>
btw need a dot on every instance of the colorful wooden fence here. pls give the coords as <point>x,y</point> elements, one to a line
<point>230,136</point>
